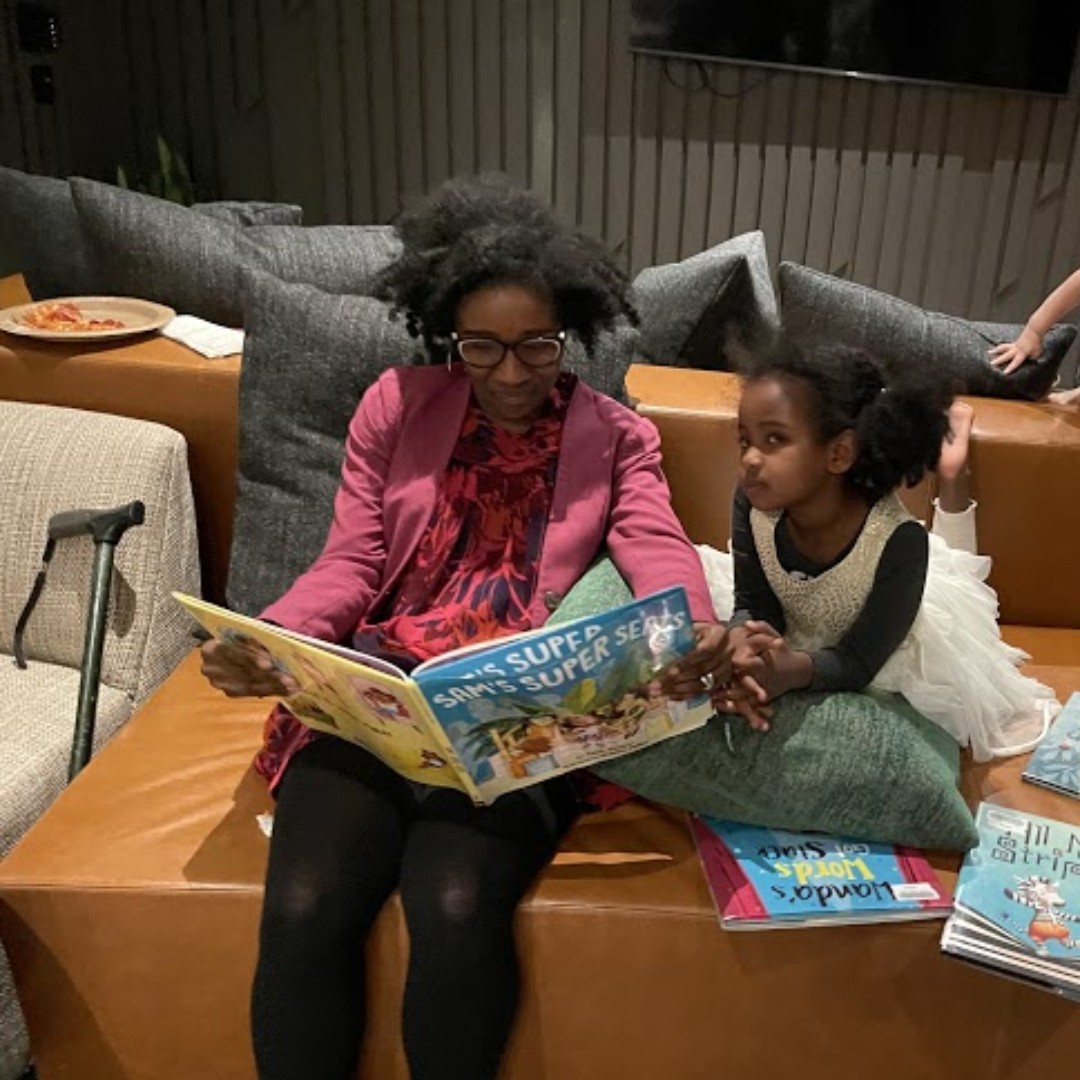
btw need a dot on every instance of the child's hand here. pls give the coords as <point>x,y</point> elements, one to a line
<point>1011,354</point>
<point>953,463</point>
<point>749,641</point>
<point>744,694</point>
<point>765,664</point>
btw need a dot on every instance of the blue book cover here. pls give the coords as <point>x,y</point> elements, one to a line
<point>1018,900</point>
<point>1055,764</point>
<point>557,699</point>
<point>764,878</point>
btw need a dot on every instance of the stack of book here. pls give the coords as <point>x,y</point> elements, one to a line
<point>1018,901</point>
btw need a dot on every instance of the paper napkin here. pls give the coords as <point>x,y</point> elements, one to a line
<point>206,338</point>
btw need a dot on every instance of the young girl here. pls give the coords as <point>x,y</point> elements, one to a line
<point>836,586</point>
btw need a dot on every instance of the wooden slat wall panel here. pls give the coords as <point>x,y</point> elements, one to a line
<point>515,91</point>
<point>958,200</point>
<point>408,99</point>
<point>385,146</point>
<point>238,93</point>
<point>144,89</point>
<point>828,127</point>
<point>198,96</point>
<point>751,106</point>
<point>568,63</point>
<point>619,126</point>
<point>594,83</point>
<point>919,237</point>
<point>800,186</point>
<point>293,102</point>
<point>461,38</point>
<point>646,90</point>
<point>331,111</point>
<point>12,134</point>
<point>489,72</point>
<point>356,109</point>
<point>671,147</point>
<point>775,163</point>
<point>695,182</point>
<point>880,138</point>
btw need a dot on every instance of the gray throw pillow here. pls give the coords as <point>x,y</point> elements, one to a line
<point>698,312</point>
<point>605,368</point>
<point>242,212</point>
<point>865,765</point>
<point>40,236</point>
<point>818,306</point>
<point>334,258</point>
<point>308,358</point>
<point>157,250</point>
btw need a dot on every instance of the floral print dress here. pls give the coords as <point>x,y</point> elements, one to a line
<point>473,574</point>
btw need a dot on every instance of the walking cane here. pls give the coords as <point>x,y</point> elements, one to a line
<point>106,527</point>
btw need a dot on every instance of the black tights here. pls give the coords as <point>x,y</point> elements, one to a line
<point>347,831</point>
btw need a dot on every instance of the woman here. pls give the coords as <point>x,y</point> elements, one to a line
<point>474,494</point>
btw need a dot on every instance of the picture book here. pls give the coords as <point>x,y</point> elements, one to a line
<point>771,879</point>
<point>1018,901</point>
<point>1055,764</point>
<point>491,718</point>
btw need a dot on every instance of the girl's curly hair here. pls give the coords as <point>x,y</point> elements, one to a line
<point>898,425</point>
<point>482,231</point>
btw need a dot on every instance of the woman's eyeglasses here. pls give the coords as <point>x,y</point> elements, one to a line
<point>486,353</point>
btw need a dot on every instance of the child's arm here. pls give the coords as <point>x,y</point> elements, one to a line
<point>1030,342</point>
<point>954,509</point>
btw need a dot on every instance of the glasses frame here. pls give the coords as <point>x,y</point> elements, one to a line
<point>558,337</point>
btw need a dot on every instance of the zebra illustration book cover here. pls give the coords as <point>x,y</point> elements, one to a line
<point>1017,901</point>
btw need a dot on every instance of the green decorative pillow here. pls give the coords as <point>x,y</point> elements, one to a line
<point>865,765</point>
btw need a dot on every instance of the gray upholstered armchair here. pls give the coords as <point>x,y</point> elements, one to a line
<point>53,460</point>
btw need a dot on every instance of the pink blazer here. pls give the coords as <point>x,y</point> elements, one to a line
<point>609,490</point>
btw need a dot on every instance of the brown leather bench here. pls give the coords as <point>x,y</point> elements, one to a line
<point>130,911</point>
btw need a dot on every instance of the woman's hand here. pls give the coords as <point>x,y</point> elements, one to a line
<point>1011,354</point>
<point>245,670</point>
<point>708,664</point>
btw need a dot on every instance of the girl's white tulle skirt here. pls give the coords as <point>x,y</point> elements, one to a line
<point>953,666</point>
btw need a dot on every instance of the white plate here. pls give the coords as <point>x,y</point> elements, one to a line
<point>138,317</point>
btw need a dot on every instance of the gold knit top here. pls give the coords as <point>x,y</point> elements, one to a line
<point>819,610</point>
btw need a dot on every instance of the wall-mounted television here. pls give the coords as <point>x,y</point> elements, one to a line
<point>1025,45</point>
